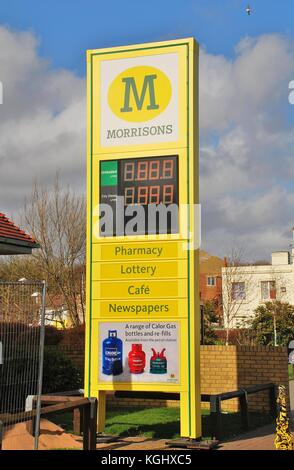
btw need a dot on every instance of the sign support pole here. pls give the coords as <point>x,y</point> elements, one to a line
<point>101,410</point>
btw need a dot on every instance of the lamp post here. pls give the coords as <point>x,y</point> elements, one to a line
<point>275,329</point>
<point>42,296</point>
<point>275,324</point>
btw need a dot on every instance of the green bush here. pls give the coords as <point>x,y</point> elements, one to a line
<point>18,379</point>
<point>262,324</point>
<point>74,337</point>
<point>60,374</point>
<point>53,336</point>
<point>209,317</point>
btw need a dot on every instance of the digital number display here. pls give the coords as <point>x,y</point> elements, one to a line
<point>149,181</point>
<point>140,181</point>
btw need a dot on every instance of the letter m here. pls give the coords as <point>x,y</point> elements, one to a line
<point>139,100</point>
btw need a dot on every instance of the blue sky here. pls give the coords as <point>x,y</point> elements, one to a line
<point>66,28</point>
<point>246,121</point>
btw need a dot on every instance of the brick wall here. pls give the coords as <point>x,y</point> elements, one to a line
<point>210,292</point>
<point>219,371</point>
<point>223,369</point>
<point>227,368</point>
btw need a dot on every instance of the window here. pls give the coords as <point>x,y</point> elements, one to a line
<point>268,290</point>
<point>238,291</point>
<point>211,281</point>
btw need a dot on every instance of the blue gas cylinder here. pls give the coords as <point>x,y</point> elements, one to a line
<point>112,354</point>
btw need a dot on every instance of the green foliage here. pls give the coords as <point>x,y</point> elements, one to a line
<point>53,336</point>
<point>70,337</point>
<point>60,374</point>
<point>262,325</point>
<point>14,389</point>
<point>73,337</point>
<point>210,317</point>
<point>19,371</point>
<point>19,374</point>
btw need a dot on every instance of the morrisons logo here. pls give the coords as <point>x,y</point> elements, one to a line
<point>139,100</point>
<point>139,94</point>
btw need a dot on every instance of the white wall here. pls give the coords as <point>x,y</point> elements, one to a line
<point>236,312</point>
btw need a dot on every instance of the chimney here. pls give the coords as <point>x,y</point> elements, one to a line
<point>280,258</point>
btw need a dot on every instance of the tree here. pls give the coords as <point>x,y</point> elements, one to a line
<point>13,268</point>
<point>56,217</point>
<point>209,317</point>
<point>236,288</point>
<point>262,325</point>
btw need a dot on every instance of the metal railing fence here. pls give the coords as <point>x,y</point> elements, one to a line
<point>22,330</point>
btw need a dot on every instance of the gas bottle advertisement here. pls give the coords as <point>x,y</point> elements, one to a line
<point>139,352</point>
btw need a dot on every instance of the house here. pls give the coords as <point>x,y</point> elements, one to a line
<point>244,288</point>
<point>56,312</point>
<point>211,280</point>
<point>13,240</point>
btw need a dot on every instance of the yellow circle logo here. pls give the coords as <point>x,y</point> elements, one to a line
<point>139,94</point>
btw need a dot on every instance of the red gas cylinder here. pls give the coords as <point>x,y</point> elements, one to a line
<point>137,359</point>
<point>158,362</point>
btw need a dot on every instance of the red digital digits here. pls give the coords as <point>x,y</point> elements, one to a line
<point>152,173</point>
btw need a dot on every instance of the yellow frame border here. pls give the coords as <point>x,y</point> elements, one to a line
<point>190,397</point>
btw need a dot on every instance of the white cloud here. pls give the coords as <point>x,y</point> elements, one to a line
<point>247,167</point>
<point>42,120</point>
<point>247,144</point>
<point>243,90</point>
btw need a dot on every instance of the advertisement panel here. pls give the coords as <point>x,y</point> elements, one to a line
<point>139,352</point>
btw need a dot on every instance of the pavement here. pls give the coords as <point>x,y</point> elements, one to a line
<point>54,437</point>
<point>259,439</point>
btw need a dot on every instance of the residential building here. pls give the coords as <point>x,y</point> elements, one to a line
<point>211,280</point>
<point>244,288</point>
<point>13,240</point>
<point>57,313</point>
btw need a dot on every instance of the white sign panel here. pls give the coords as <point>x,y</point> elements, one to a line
<point>139,100</point>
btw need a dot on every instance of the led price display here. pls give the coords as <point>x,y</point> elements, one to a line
<point>140,181</point>
<point>146,181</point>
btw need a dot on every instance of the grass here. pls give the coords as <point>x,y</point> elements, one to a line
<point>153,422</point>
<point>291,371</point>
<point>161,423</point>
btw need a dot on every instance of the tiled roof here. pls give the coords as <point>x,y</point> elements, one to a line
<point>10,231</point>
<point>210,264</point>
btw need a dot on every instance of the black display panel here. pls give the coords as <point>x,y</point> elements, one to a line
<point>151,183</point>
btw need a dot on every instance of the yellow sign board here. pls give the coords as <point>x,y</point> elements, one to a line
<point>140,270</point>
<point>128,251</point>
<point>142,326</point>
<point>139,289</point>
<point>156,308</point>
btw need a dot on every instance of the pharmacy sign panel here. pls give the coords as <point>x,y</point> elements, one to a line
<point>142,267</point>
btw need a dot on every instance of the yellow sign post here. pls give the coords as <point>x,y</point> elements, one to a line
<point>142,325</point>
